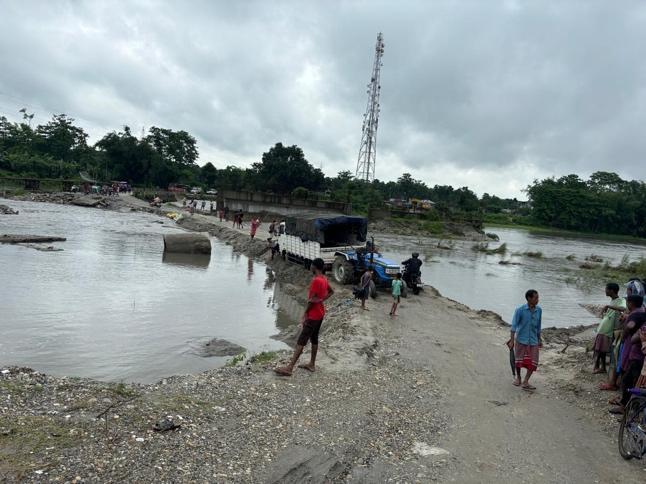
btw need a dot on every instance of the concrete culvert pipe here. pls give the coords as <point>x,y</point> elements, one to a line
<point>187,244</point>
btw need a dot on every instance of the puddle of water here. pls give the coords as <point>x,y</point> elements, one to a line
<point>112,306</point>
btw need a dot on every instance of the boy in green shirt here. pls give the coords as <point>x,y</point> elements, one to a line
<point>609,323</point>
<point>396,291</point>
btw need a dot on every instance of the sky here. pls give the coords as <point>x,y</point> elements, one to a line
<point>485,94</point>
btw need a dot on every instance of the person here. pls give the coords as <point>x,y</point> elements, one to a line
<point>412,271</point>
<point>226,213</point>
<point>221,214</point>
<point>318,292</point>
<point>203,205</point>
<point>366,277</point>
<point>211,208</point>
<point>526,337</point>
<point>396,286</point>
<point>272,228</point>
<point>605,330</point>
<point>632,357</point>
<point>275,247</point>
<point>240,215</point>
<point>633,287</point>
<point>641,381</point>
<point>281,227</point>
<point>255,223</point>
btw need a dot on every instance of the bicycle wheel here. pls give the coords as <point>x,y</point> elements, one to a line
<point>625,438</point>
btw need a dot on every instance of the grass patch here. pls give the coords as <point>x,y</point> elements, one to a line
<point>235,360</point>
<point>264,357</point>
<point>123,390</point>
<point>501,249</point>
<point>29,436</point>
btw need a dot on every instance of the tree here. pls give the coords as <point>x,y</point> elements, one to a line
<point>60,139</point>
<point>209,174</point>
<point>177,147</point>
<point>284,168</point>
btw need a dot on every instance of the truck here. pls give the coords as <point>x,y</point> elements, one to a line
<point>341,241</point>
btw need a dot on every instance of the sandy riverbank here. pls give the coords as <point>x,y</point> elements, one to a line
<point>426,396</point>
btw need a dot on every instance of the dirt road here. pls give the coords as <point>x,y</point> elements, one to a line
<point>500,433</point>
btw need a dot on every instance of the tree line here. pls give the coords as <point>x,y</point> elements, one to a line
<point>605,203</point>
<point>60,149</point>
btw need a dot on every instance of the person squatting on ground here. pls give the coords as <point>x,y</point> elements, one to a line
<point>606,329</point>
<point>396,292</point>
<point>526,337</point>
<point>319,291</point>
<point>631,356</point>
<point>366,278</point>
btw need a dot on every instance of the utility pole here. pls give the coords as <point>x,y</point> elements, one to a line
<point>368,149</point>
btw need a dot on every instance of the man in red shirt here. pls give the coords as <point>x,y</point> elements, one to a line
<point>319,291</point>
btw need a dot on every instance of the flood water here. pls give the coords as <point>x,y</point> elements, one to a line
<point>479,281</point>
<point>110,305</point>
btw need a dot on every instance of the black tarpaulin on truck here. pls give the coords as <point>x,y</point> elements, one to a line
<point>328,230</point>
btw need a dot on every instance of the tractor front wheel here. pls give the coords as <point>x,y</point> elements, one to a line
<point>343,270</point>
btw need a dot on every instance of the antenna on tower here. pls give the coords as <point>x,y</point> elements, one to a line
<point>368,149</point>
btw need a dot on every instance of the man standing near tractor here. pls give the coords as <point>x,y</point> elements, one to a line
<point>319,291</point>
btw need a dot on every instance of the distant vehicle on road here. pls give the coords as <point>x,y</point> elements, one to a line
<point>211,192</point>
<point>196,190</point>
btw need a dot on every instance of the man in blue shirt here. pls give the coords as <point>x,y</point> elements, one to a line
<point>526,337</point>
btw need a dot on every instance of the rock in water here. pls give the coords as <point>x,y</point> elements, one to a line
<point>221,347</point>
<point>4,210</point>
<point>187,244</point>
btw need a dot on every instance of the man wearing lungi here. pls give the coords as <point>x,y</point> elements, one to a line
<point>526,337</point>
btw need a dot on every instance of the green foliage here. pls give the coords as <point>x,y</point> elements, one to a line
<point>235,360</point>
<point>284,168</point>
<point>300,193</point>
<point>603,204</point>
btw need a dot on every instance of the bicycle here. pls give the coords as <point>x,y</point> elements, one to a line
<point>632,431</point>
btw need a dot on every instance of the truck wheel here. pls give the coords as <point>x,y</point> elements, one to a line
<point>372,290</point>
<point>343,270</point>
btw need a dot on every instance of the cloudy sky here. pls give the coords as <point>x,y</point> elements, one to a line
<point>488,94</point>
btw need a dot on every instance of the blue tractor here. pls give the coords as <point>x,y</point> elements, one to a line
<point>349,265</point>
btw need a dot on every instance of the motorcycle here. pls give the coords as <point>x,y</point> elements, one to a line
<point>412,275</point>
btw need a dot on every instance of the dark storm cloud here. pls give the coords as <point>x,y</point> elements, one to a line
<point>485,94</point>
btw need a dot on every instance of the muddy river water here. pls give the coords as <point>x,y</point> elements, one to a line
<point>111,306</point>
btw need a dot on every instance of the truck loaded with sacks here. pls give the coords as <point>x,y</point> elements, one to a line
<point>341,241</point>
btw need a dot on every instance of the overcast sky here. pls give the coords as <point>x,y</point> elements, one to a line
<point>488,94</point>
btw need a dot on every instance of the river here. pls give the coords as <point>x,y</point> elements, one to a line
<point>481,282</point>
<point>111,307</point>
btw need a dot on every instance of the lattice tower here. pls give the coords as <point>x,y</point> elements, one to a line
<point>368,149</point>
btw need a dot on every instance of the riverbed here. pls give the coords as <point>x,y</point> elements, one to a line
<point>111,306</point>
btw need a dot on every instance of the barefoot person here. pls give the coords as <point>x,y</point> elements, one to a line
<point>610,320</point>
<point>319,291</point>
<point>396,291</point>
<point>366,278</point>
<point>526,337</point>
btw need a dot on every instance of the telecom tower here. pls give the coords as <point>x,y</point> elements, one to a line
<point>368,148</point>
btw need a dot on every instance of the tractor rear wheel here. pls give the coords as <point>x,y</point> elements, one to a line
<point>342,270</point>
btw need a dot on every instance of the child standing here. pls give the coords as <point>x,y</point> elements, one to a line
<point>396,291</point>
